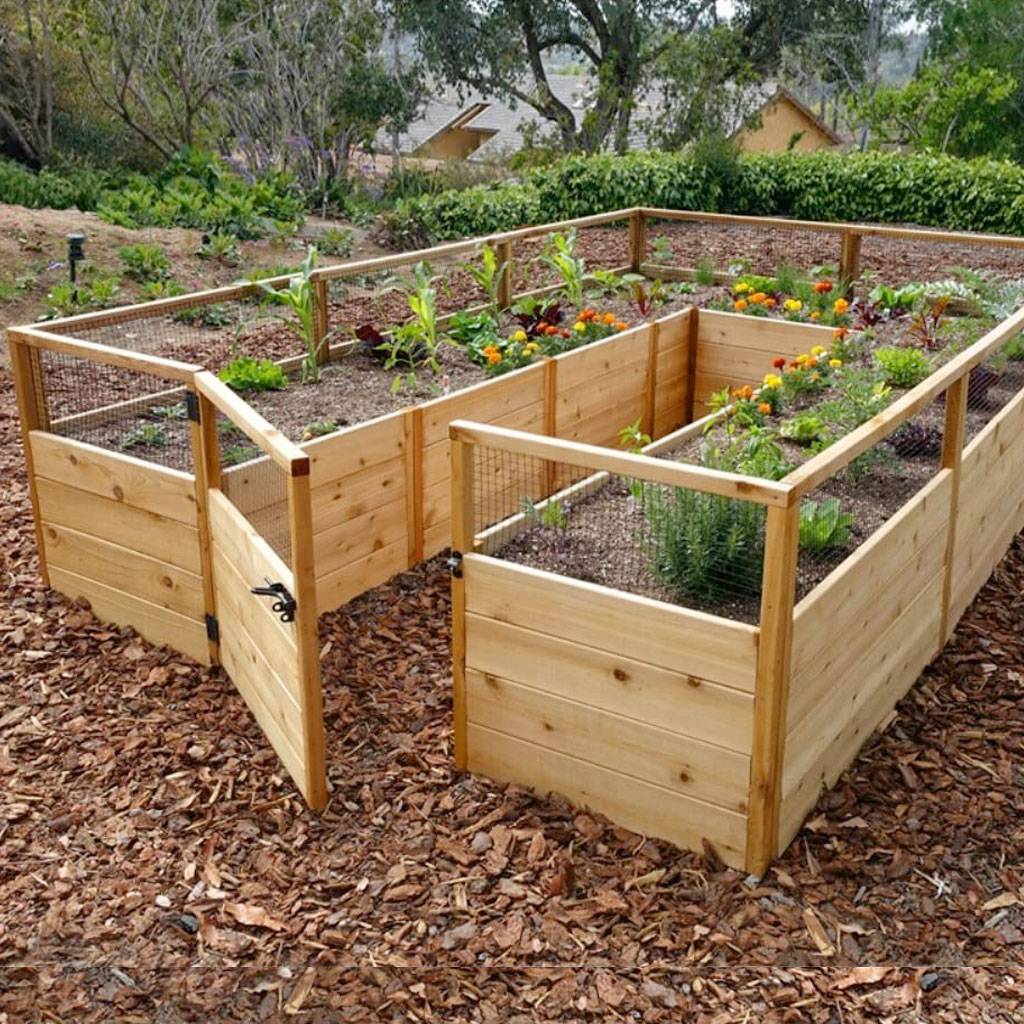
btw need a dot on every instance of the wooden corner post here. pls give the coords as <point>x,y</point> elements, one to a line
<point>321,321</point>
<point>954,432</point>
<point>771,696</point>
<point>849,259</point>
<point>206,459</point>
<point>637,239</point>
<point>505,292</point>
<point>307,636</point>
<point>463,528</point>
<point>29,389</point>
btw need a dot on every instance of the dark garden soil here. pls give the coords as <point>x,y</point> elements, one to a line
<point>156,865</point>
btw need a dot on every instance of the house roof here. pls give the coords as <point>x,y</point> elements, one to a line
<point>782,94</point>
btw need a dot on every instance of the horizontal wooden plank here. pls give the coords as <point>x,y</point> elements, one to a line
<point>629,802</point>
<point>581,365</point>
<point>339,587</point>
<point>123,478</point>
<point>634,627</point>
<point>157,625</point>
<point>355,449</point>
<point>485,402</point>
<point>670,699</point>
<point>112,520</point>
<point>124,569</point>
<point>625,745</point>
<point>357,537</point>
<point>770,335</point>
<point>824,744</point>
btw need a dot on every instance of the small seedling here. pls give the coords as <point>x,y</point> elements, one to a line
<point>552,515</point>
<point>661,249</point>
<point>146,435</point>
<point>319,429</point>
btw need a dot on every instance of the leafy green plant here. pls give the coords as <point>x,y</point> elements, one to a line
<point>560,255</point>
<point>336,241</point>
<point>177,411</point>
<point>632,437</point>
<point>900,299</point>
<point>488,274</point>
<point>145,435</point>
<point>903,367</point>
<point>66,299</point>
<point>222,248</point>
<point>661,249</point>
<point>236,454</point>
<point>299,298</point>
<point>805,428</point>
<point>213,315</point>
<point>320,428</point>
<point>164,289</point>
<point>144,262</point>
<point>704,272</point>
<point>856,396</point>
<point>248,374</point>
<point>788,280</point>
<point>824,525</point>
<point>472,330</point>
<point>1013,350</point>
<point>552,515</point>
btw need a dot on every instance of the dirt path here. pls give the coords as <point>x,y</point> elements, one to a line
<point>156,865</point>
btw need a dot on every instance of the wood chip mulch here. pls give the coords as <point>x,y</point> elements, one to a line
<point>157,865</point>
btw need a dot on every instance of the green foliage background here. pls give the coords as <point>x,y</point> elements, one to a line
<point>929,190</point>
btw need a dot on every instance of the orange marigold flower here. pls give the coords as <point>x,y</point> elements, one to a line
<point>823,286</point>
<point>620,325</point>
<point>840,306</point>
<point>779,363</point>
<point>769,303</point>
<point>564,333</point>
<point>609,318</point>
<point>764,408</point>
<point>758,297</point>
<point>840,332</point>
<point>551,330</point>
<point>494,357</point>
<point>740,304</point>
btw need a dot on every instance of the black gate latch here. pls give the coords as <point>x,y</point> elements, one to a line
<point>454,564</point>
<point>284,606</point>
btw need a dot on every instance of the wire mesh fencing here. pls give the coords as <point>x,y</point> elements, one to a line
<point>117,409</point>
<point>672,544</point>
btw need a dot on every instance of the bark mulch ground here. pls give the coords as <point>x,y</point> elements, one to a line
<point>156,864</point>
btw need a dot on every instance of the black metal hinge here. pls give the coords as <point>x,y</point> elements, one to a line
<point>454,564</point>
<point>285,603</point>
<point>212,628</point>
<point>192,406</point>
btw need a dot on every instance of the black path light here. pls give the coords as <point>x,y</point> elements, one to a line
<point>76,254</point>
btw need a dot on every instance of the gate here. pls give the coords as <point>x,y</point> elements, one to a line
<point>263,591</point>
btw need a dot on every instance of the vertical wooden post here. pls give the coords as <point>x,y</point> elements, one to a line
<point>637,240</point>
<point>300,524</point>
<point>463,528</point>
<point>206,459</point>
<point>505,293</point>
<point>849,259</point>
<point>26,370</point>
<point>771,696</point>
<point>651,385</point>
<point>954,431</point>
<point>413,428</point>
<point>550,419</point>
<point>690,384</point>
<point>321,321</point>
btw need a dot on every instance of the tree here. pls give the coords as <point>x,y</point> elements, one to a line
<point>27,78</point>
<point>162,64</point>
<point>959,110</point>
<point>317,84</point>
<point>500,48</point>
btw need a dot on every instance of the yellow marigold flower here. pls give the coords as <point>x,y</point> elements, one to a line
<point>741,288</point>
<point>814,314</point>
<point>579,326</point>
<point>519,336</point>
<point>835,363</point>
<point>772,380</point>
<point>802,358</point>
<point>818,350</point>
<point>794,305</point>
<point>740,304</point>
<point>840,306</point>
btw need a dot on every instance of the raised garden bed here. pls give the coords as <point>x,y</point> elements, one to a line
<point>176,550</point>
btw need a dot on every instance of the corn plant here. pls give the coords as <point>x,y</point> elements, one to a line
<point>560,255</point>
<point>488,274</point>
<point>417,340</point>
<point>298,296</point>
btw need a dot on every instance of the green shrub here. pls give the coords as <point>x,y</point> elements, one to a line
<point>248,374</point>
<point>145,262</point>
<point>903,367</point>
<point>926,189</point>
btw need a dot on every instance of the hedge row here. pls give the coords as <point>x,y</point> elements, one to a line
<point>933,191</point>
